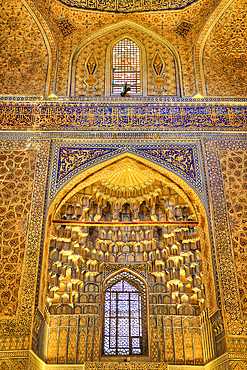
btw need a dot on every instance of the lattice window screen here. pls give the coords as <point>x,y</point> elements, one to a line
<point>124,317</point>
<point>126,67</point>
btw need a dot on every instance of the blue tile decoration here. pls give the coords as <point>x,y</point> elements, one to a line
<point>60,116</point>
<point>72,158</point>
<point>122,6</point>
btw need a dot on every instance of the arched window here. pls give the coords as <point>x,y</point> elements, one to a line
<point>124,331</point>
<point>126,66</point>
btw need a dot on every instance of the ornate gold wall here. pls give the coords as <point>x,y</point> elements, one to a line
<point>60,135</point>
<point>23,52</point>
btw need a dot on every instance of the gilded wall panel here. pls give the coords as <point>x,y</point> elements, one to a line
<point>179,346</point>
<point>228,207</point>
<point>73,344</point>
<point>81,345</point>
<point>53,344</point>
<point>234,172</point>
<point>162,23</point>
<point>23,60</point>
<point>14,364</point>
<point>17,168</point>
<point>23,174</point>
<point>225,53</point>
<point>188,346</point>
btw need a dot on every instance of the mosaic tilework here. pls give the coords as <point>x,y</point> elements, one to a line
<point>16,176</point>
<point>23,52</point>
<point>234,171</point>
<point>235,324</point>
<point>121,117</point>
<point>225,53</point>
<point>127,7</point>
<point>71,160</point>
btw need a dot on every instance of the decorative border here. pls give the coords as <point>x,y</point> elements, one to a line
<point>103,99</point>
<point>133,6</point>
<point>122,117</point>
<point>110,136</point>
<point>235,323</point>
<point>20,326</point>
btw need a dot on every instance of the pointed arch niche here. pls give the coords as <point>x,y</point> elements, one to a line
<point>132,217</point>
<point>104,40</point>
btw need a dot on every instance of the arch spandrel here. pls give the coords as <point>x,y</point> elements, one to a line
<point>101,171</point>
<point>83,159</point>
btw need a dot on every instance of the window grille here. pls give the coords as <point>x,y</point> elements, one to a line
<point>124,317</point>
<point>126,67</point>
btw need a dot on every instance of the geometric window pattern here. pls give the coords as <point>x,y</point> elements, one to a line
<point>126,66</point>
<point>124,317</point>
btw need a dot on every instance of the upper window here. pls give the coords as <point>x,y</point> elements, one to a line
<point>126,66</point>
<point>124,317</point>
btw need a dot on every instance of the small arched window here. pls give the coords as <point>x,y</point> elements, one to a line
<point>124,331</point>
<point>126,66</point>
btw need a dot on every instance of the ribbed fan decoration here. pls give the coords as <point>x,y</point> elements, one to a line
<point>128,178</point>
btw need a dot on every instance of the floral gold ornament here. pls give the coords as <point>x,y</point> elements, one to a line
<point>91,68</point>
<point>159,66</point>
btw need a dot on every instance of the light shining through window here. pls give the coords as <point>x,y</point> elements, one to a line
<point>123,322</point>
<point>126,67</point>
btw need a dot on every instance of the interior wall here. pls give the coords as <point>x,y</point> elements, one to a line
<point>27,128</point>
<point>224,57</point>
<point>70,26</point>
<point>24,166</point>
<point>24,57</point>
